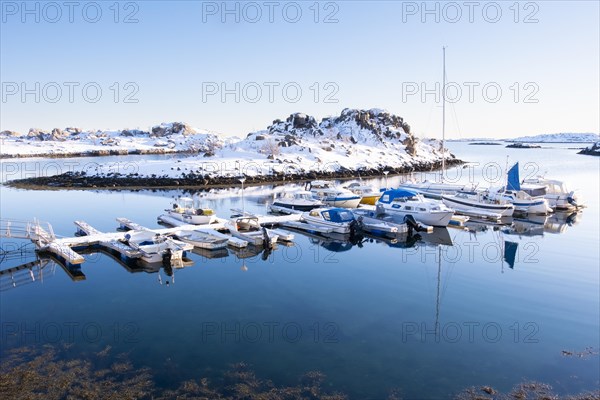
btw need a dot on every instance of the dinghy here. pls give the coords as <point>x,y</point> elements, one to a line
<point>201,239</point>
<point>249,229</point>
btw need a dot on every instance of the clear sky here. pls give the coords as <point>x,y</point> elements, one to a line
<point>522,68</point>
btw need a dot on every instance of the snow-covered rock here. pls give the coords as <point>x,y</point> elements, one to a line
<point>592,150</point>
<point>356,141</point>
<point>164,138</point>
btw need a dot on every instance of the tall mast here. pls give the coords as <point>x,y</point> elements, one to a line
<point>444,115</point>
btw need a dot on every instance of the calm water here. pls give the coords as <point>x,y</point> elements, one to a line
<point>363,313</point>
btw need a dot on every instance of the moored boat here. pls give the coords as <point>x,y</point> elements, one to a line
<point>201,239</point>
<point>556,192</point>
<point>289,202</point>
<point>249,229</point>
<point>184,210</point>
<point>339,220</point>
<point>404,202</point>
<point>478,202</point>
<point>368,194</point>
<point>334,196</point>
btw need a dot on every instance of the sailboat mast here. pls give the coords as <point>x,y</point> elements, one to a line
<point>444,114</point>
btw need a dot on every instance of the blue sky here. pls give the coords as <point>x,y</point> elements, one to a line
<point>174,59</point>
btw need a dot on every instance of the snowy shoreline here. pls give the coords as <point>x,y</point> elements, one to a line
<point>355,143</point>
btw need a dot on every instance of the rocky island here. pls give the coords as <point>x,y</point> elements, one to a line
<point>355,143</point>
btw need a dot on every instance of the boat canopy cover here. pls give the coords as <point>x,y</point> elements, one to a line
<point>389,195</point>
<point>337,215</point>
<point>513,178</point>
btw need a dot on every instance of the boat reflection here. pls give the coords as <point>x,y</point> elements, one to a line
<point>537,225</point>
<point>560,221</point>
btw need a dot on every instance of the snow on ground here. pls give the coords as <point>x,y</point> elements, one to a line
<point>354,140</point>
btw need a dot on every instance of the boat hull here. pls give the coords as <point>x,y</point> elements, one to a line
<point>504,210</point>
<point>343,202</point>
<point>289,208</point>
<point>336,227</point>
<point>540,207</point>
<point>191,218</point>
<point>370,200</point>
<point>434,218</point>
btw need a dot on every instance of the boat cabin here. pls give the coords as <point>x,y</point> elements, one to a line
<point>340,215</point>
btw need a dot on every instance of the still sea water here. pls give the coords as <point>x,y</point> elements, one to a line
<point>364,312</point>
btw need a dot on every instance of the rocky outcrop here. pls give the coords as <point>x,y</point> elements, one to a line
<point>10,134</point>
<point>593,150</point>
<point>173,128</point>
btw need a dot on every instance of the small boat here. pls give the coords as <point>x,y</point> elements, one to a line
<point>402,202</point>
<point>556,192</point>
<point>368,194</point>
<point>523,202</point>
<point>289,202</point>
<point>154,247</point>
<point>476,202</point>
<point>334,196</point>
<point>339,220</point>
<point>512,193</point>
<point>368,221</point>
<point>249,229</point>
<point>201,239</point>
<point>184,210</point>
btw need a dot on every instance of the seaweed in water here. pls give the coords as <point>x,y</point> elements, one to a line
<point>49,372</point>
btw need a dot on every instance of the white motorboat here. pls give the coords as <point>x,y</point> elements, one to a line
<point>523,202</point>
<point>368,194</point>
<point>155,247</point>
<point>369,222</point>
<point>402,202</point>
<point>249,229</point>
<point>334,196</point>
<point>512,193</point>
<point>476,202</point>
<point>184,210</point>
<point>289,202</point>
<point>201,239</point>
<point>556,192</point>
<point>339,220</point>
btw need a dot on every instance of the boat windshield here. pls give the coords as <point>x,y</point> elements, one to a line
<point>338,216</point>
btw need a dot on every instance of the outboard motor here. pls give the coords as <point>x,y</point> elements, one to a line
<point>266,239</point>
<point>354,225</point>
<point>410,221</point>
<point>571,199</point>
<point>166,258</point>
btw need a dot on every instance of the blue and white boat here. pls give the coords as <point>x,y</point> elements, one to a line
<point>338,220</point>
<point>334,196</point>
<point>402,202</point>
